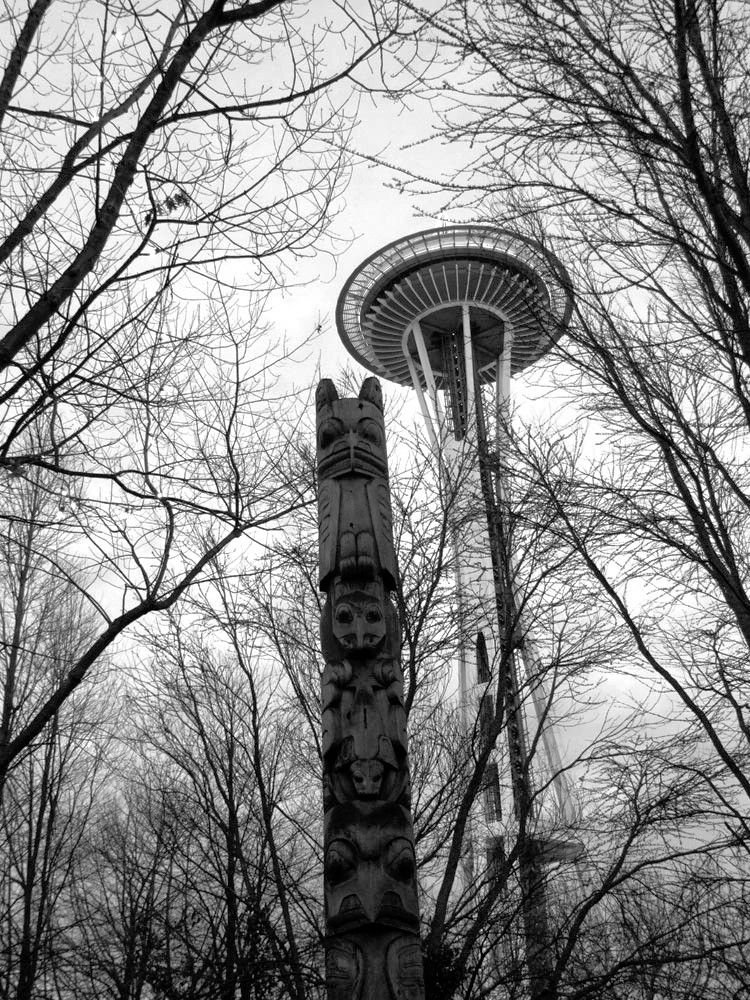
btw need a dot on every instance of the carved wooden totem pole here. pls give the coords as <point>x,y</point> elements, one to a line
<point>372,914</point>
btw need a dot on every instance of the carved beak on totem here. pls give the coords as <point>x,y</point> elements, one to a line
<point>374,890</point>
<point>370,871</point>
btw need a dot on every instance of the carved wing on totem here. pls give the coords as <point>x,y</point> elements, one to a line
<point>344,970</point>
<point>404,964</point>
<point>329,497</point>
<point>382,521</point>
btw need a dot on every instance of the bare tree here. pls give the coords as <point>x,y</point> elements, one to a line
<point>48,793</point>
<point>617,133</point>
<point>240,917</point>
<point>119,898</point>
<point>163,168</point>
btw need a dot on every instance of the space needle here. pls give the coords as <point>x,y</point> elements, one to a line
<point>454,312</point>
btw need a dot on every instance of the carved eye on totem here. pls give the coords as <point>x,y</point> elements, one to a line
<point>399,860</point>
<point>373,615</point>
<point>369,430</point>
<point>344,614</point>
<point>341,862</point>
<point>329,432</point>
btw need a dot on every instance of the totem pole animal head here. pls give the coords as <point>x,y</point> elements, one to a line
<point>351,432</point>
<point>354,507</point>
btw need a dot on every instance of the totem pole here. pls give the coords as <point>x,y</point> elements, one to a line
<point>372,914</point>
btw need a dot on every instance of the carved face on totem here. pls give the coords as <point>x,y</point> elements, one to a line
<point>370,873</point>
<point>358,619</point>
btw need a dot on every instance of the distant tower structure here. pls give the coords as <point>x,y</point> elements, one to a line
<point>454,312</point>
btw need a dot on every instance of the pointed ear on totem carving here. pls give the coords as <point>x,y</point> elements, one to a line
<point>371,392</point>
<point>325,393</point>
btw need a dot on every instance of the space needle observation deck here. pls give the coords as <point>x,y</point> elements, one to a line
<point>431,307</point>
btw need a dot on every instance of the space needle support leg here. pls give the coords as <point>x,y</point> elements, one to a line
<point>472,431</point>
<point>469,368</point>
<point>559,779</point>
<point>415,331</point>
<point>531,874</point>
<point>435,428</point>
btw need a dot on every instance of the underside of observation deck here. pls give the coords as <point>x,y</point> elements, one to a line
<point>511,285</point>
